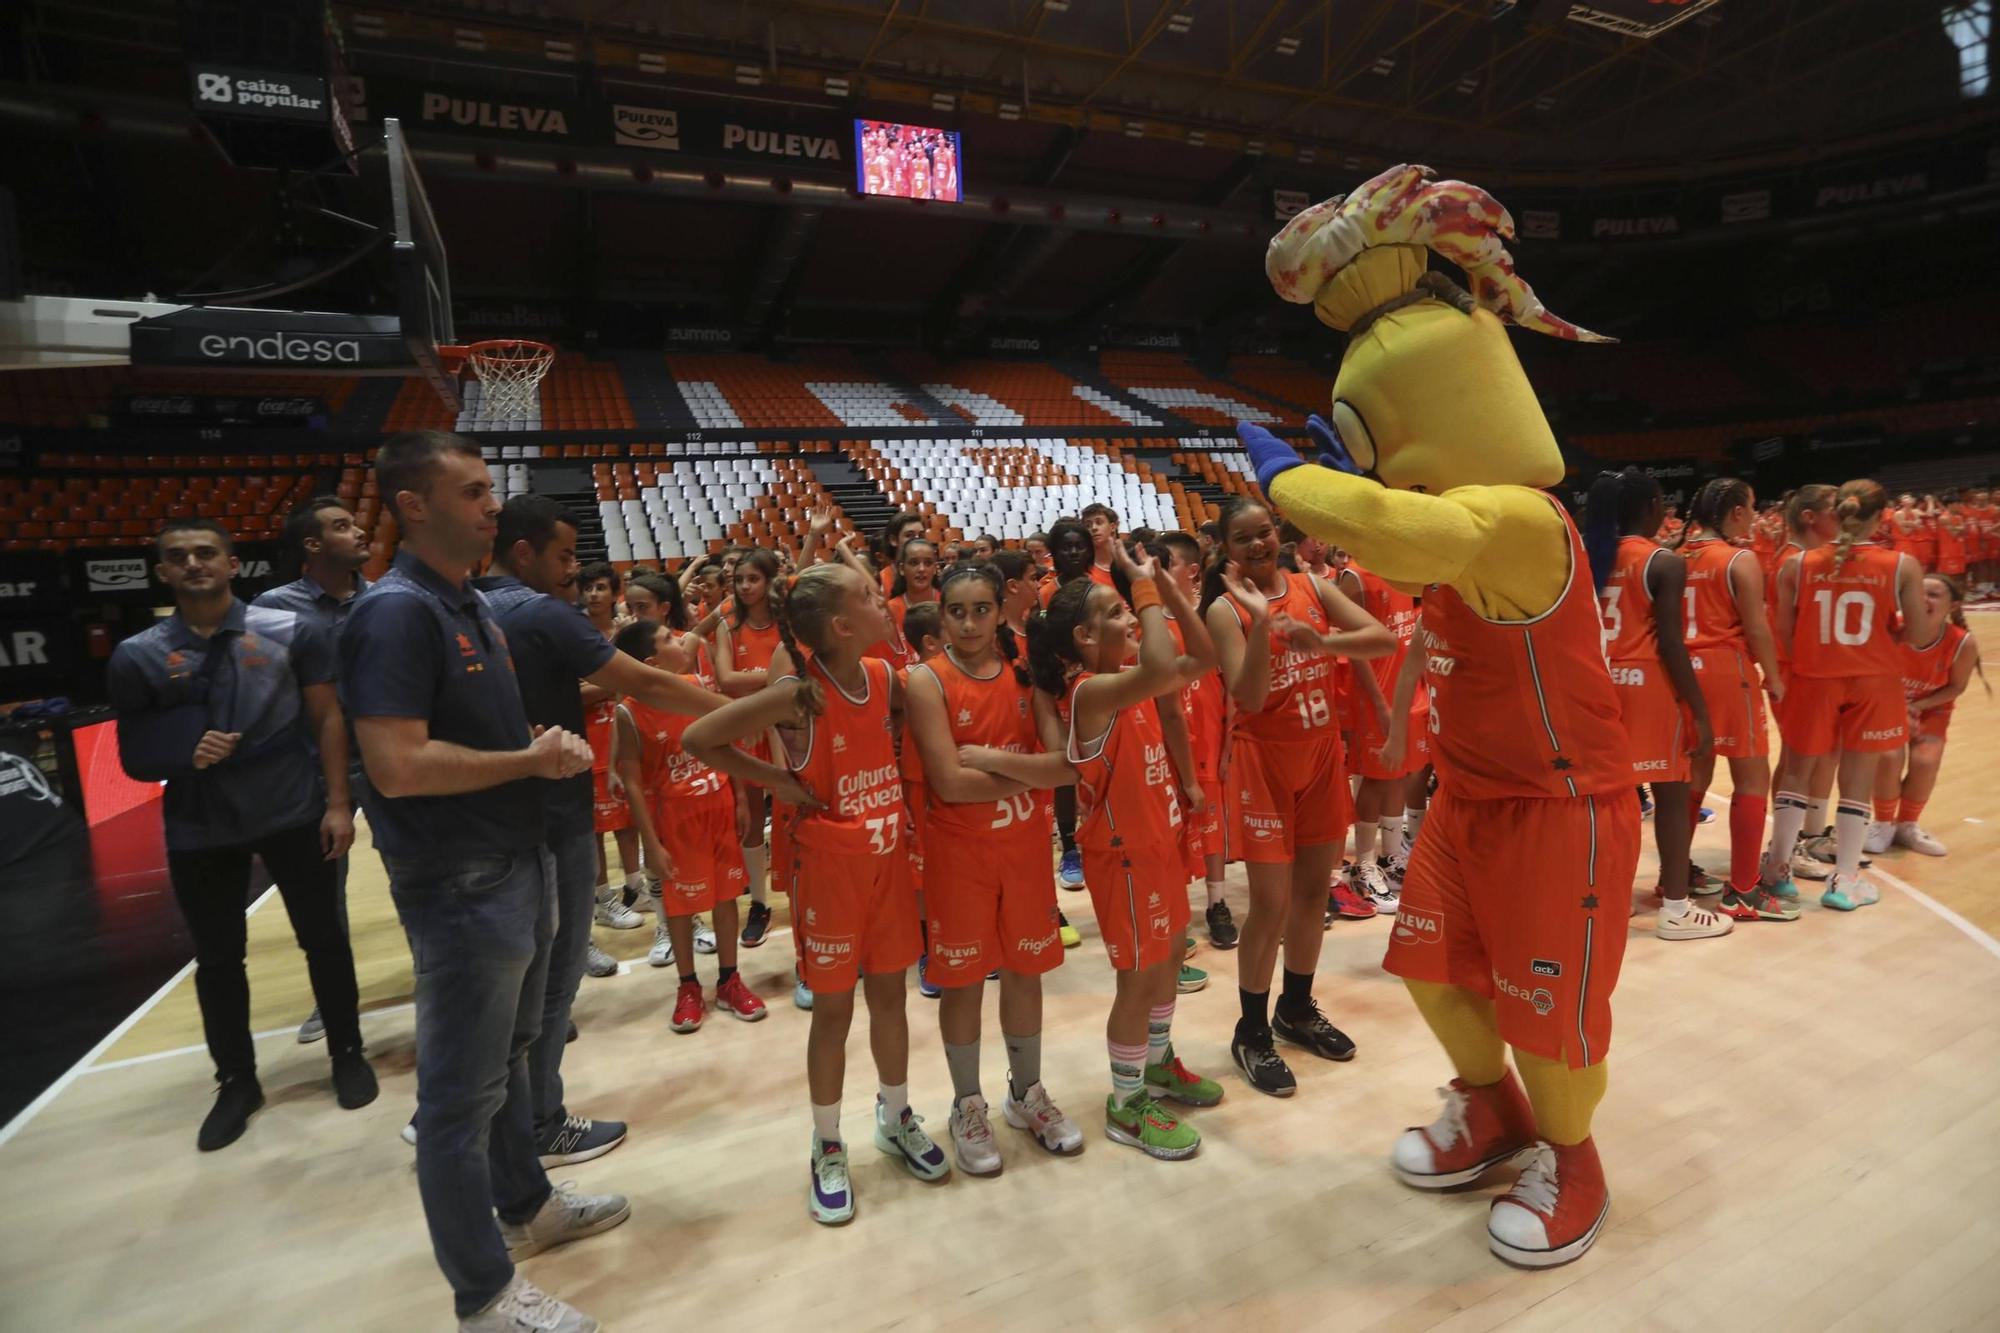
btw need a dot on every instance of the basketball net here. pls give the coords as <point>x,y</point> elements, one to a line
<point>510,372</point>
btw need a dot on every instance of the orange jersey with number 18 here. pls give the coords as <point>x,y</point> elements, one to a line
<point>1299,706</point>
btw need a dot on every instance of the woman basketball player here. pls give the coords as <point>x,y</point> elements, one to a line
<point>1838,607</point>
<point>988,895</point>
<point>744,642</point>
<point>1642,588</point>
<point>1286,798</point>
<point>1939,656</point>
<point>1726,631</point>
<point>851,892</point>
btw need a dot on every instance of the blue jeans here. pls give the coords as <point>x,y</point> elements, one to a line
<point>576,904</point>
<point>479,929</point>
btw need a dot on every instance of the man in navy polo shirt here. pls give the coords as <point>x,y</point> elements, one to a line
<point>222,702</point>
<point>556,649</point>
<point>330,548</point>
<point>457,786</point>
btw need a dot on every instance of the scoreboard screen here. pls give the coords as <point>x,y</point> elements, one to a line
<point>908,161</point>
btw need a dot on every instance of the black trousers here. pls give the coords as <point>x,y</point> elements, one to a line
<point>212,886</point>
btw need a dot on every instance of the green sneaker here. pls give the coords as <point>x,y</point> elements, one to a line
<point>1144,1124</point>
<point>1191,980</point>
<point>1838,900</point>
<point>1170,1080</point>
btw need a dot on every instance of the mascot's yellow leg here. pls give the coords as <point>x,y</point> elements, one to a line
<point>1564,1099</point>
<point>1464,1025</point>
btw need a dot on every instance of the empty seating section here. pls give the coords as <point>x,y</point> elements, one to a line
<point>1014,488</point>
<point>672,510</point>
<point>758,393</point>
<point>1166,380</point>
<point>1006,393</point>
<point>1227,470</point>
<point>76,396</point>
<point>869,403</point>
<point>1284,381</point>
<point>102,500</point>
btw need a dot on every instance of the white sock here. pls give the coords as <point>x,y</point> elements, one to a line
<point>895,1099</point>
<point>1674,908</point>
<point>1214,892</point>
<point>1413,824</point>
<point>756,862</point>
<point>1788,816</point>
<point>1850,826</point>
<point>636,881</point>
<point>1815,817</point>
<point>603,892</point>
<point>1365,832</point>
<point>1392,834</point>
<point>826,1122</point>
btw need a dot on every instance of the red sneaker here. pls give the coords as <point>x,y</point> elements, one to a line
<point>1347,904</point>
<point>688,1008</point>
<point>1480,1129</point>
<point>1555,1209</point>
<point>738,1000</point>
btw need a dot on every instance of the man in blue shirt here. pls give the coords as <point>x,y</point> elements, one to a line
<point>223,703</point>
<point>458,783</point>
<point>330,548</point>
<point>556,651</point>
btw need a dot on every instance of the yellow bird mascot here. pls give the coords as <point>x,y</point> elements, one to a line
<point>1513,916</point>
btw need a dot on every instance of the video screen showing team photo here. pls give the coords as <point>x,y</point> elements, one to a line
<point>908,161</point>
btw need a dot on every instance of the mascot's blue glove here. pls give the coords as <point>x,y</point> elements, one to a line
<point>1269,455</point>
<point>1333,452</point>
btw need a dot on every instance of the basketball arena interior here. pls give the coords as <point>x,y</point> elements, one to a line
<point>762,323</point>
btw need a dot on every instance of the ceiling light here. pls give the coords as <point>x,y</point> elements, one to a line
<point>1546,102</point>
<point>652,62</point>
<point>1384,64</point>
<point>1197,138</point>
<point>1288,45</point>
<point>468,39</point>
<point>1254,147</point>
<point>1180,21</point>
<point>367,25</point>
<point>1351,162</point>
<point>1469,83</point>
<point>1056,6</point>
<point>750,76</point>
<point>1305,157</point>
<point>563,53</point>
<point>943,102</point>
<point>836,86</point>
<point>1010,111</point>
<point>1135,129</point>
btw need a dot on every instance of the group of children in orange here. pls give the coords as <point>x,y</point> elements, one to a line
<point>1167,703</point>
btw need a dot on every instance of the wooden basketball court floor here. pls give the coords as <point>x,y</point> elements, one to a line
<point>1802,1132</point>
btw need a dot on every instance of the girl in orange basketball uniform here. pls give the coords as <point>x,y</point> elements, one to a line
<point>1641,588</point>
<point>745,639</point>
<point>1838,608</point>
<point>1810,523</point>
<point>852,901</point>
<point>1387,775</point>
<point>1287,804</point>
<point>988,898</point>
<point>689,819</point>
<point>1939,656</point>
<point>916,579</point>
<point>1205,704</point>
<point>1081,651</point>
<point>1735,662</point>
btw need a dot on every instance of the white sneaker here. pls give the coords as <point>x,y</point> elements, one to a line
<point>1881,835</point>
<point>1807,866</point>
<point>597,963</point>
<point>564,1216</point>
<point>662,952</point>
<point>704,936</point>
<point>612,911</point>
<point>525,1308</point>
<point>1910,836</point>
<point>1041,1117</point>
<point>1367,880</point>
<point>972,1140</point>
<point>1694,924</point>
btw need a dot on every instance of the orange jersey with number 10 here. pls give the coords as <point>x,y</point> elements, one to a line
<point>1631,633</point>
<point>996,711</point>
<point>1300,704</point>
<point>1847,613</point>
<point>850,765</point>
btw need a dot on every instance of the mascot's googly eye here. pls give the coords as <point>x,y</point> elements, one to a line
<point>1353,432</point>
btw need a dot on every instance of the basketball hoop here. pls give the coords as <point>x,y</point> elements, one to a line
<point>510,371</point>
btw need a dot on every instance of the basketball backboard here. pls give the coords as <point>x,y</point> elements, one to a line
<point>50,331</point>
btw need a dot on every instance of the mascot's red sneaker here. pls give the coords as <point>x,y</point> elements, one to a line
<point>1555,1209</point>
<point>1480,1129</point>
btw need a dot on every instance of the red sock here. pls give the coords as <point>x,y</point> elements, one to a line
<point>1746,839</point>
<point>1885,811</point>
<point>1908,812</point>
